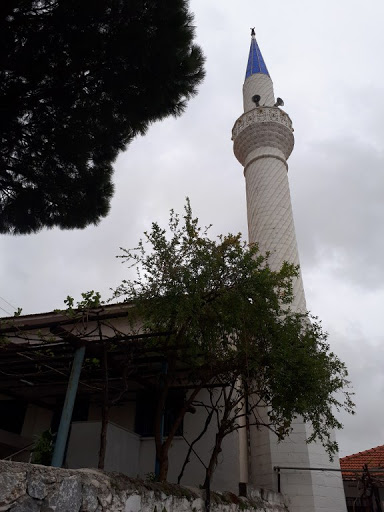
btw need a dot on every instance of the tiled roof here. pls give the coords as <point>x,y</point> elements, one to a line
<point>374,458</point>
<point>256,62</point>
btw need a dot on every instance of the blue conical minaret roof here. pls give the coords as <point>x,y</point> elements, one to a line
<point>256,62</point>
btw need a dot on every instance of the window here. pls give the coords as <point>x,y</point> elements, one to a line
<point>12,414</point>
<point>360,504</point>
<point>80,412</point>
<point>146,403</point>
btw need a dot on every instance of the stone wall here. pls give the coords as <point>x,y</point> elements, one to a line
<point>33,488</point>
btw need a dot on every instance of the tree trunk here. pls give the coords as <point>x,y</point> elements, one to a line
<point>207,494</point>
<point>187,457</point>
<point>161,467</point>
<point>213,460</point>
<point>163,448</point>
<point>163,462</point>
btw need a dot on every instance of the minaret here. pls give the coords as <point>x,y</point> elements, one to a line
<point>263,141</point>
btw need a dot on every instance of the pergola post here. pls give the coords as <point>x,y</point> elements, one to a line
<point>66,414</point>
<point>164,371</point>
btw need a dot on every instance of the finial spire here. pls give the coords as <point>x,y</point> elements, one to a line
<point>256,62</point>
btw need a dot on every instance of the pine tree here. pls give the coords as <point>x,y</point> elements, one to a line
<point>79,80</point>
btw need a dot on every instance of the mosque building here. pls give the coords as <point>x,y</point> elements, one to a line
<point>39,395</point>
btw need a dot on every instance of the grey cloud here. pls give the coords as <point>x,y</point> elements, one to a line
<point>363,357</point>
<point>339,209</point>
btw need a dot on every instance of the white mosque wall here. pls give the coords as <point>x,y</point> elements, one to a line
<point>134,455</point>
<point>83,445</point>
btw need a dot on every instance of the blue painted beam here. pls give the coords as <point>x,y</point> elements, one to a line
<point>66,415</point>
<point>164,371</point>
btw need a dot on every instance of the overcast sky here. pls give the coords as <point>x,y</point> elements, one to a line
<point>326,62</point>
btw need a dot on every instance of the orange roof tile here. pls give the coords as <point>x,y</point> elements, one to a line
<point>374,458</point>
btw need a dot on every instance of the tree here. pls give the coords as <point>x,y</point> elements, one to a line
<point>227,320</point>
<point>78,81</point>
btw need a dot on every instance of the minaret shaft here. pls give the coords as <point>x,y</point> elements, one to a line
<point>270,218</point>
<point>258,84</point>
<point>263,141</point>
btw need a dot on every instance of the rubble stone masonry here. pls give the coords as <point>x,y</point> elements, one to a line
<point>33,488</point>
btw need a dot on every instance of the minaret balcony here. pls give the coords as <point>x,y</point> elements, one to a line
<point>262,127</point>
